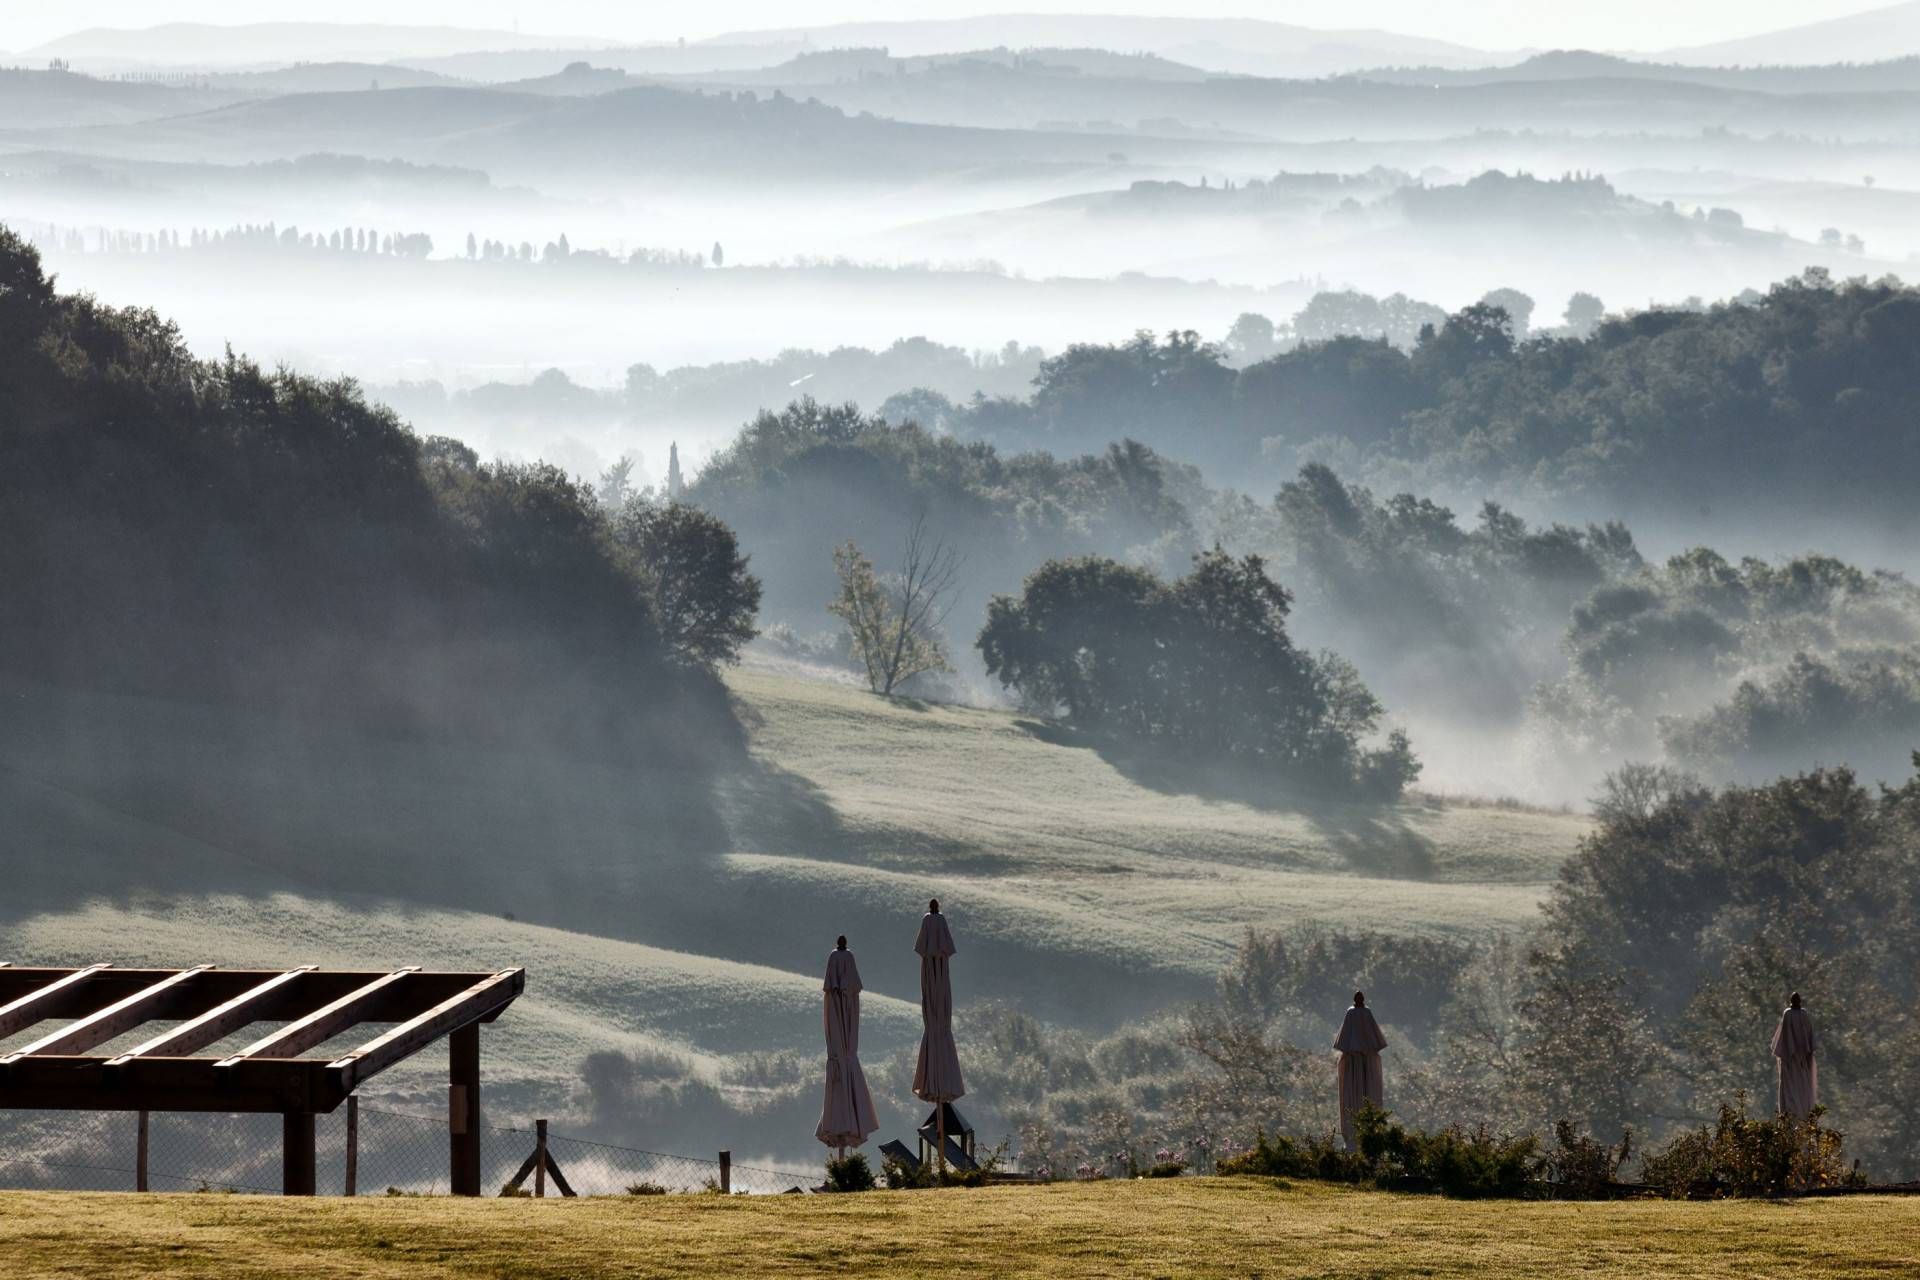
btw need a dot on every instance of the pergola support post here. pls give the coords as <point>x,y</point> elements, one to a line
<point>140,1156</point>
<point>296,1135</point>
<point>463,1074</point>
<point>351,1186</point>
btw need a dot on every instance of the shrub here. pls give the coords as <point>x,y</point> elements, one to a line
<point>1461,1163</point>
<point>646,1189</point>
<point>1583,1168</point>
<point>850,1173</point>
<point>1285,1157</point>
<point>1742,1156</point>
<point>902,1176</point>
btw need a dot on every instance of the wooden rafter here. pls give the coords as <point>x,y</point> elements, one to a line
<point>321,1025</point>
<point>105,1024</point>
<point>175,1067</point>
<point>215,1024</point>
<point>38,1005</point>
<point>472,1005</point>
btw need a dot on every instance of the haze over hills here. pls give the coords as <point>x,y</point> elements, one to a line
<point>1378,491</point>
<point>650,131</point>
<point>207,45</point>
<point>1041,89</point>
<point>1892,32</point>
<point>1244,45</point>
<point>1893,73</point>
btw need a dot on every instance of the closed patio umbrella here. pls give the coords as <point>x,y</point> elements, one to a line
<point>1793,1045</point>
<point>1361,1079</point>
<point>936,1074</point>
<point>846,1116</point>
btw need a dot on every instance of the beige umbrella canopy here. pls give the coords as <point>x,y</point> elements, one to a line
<point>1793,1045</point>
<point>846,1116</point>
<point>1359,1073</point>
<point>936,1074</point>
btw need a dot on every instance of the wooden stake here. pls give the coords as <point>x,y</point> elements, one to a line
<point>352,1186</point>
<point>540,1159</point>
<point>140,1157</point>
<point>726,1173</point>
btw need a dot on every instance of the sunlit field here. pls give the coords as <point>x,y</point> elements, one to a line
<point>1190,1227</point>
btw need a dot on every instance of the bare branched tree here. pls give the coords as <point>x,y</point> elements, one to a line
<point>898,624</point>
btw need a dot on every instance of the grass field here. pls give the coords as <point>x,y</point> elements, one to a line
<point>1188,1227</point>
<point>690,916</point>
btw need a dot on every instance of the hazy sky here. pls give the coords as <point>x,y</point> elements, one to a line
<point>1497,24</point>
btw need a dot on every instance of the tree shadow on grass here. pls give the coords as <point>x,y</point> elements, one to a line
<point>1373,837</point>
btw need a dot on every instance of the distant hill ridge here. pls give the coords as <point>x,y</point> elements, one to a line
<point>265,44</point>
<point>1890,74</point>
<point>1860,37</point>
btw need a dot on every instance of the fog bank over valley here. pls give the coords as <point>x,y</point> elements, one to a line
<point>1236,510</point>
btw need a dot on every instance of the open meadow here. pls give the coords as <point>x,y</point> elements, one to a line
<point>1189,1227</point>
<point>690,920</point>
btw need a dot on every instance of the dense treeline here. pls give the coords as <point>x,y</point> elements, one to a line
<point>211,530</point>
<point>800,482</point>
<point>1754,668</point>
<point>729,392</point>
<point>1802,394</point>
<point>1501,626</point>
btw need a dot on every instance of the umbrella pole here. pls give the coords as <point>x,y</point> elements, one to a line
<point>940,1147</point>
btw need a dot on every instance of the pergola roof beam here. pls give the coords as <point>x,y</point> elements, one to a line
<point>472,1005</point>
<point>36,1006</point>
<point>215,1024</point>
<point>322,1024</point>
<point>105,1024</point>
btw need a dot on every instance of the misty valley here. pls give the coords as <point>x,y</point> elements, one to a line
<point>1312,549</point>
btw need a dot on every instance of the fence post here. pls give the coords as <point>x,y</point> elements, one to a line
<point>140,1157</point>
<point>540,1159</point>
<point>726,1173</point>
<point>352,1186</point>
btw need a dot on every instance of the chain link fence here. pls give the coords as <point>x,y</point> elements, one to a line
<point>394,1153</point>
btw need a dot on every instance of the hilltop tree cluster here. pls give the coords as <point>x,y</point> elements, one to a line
<point>210,529</point>
<point>1805,386</point>
<point>1201,666</point>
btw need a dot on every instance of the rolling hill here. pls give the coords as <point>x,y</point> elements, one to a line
<point>1892,32</point>
<point>1579,94</point>
<point>686,918</point>
<point>661,133</point>
<point>265,44</point>
<point>53,99</point>
<point>1244,45</point>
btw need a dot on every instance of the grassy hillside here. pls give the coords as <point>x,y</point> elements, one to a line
<point>688,915</point>
<point>1188,1227</point>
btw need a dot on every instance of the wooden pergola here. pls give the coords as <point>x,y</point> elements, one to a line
<point>102,1003</point>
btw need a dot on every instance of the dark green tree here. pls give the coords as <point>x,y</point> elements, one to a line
<point>704,598</point>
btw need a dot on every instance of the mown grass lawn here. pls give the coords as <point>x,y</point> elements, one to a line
<point>1188,1227</point>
